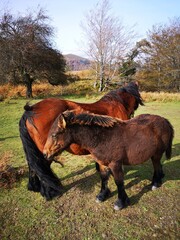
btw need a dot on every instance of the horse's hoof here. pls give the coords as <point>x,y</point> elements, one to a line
<point>117,208</point>
<point>120,205</point>
<point>156,185</point>
<point>98,200</point>
<point>154,188</point>
<point>102,196</point>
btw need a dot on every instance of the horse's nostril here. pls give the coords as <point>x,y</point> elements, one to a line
<point>45,155</point>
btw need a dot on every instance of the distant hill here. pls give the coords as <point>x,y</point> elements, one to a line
<point>76,63</point>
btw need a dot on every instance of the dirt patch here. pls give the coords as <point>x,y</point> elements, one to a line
<point>8,174</point>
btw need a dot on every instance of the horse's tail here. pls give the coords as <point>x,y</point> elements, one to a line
<point>171,136</point>
<point>41,177</point>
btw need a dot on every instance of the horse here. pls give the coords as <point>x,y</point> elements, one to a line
<point>37,119</point>
<point>113,143</point>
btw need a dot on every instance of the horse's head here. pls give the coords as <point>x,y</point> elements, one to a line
<point>58,138</point>
<point>61,133</point>
<point>125,100</point>
<point>131,97</point>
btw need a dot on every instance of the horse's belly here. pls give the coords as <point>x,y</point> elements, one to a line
<point>106,155</point>
<point>136,157</point>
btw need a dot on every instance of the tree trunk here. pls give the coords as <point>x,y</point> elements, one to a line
<point>101,81</point>
<point>96,76</point>
<point>28,82</point>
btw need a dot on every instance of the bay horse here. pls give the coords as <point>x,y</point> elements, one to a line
<point>113,143</point>
<point>37,119</point>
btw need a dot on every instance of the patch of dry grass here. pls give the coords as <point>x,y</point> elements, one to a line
<point>39,90</point>
<point>84,74</point>
<point>160,96</point>
<point>80,87</point>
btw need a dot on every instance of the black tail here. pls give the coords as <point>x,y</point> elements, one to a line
<point>169,147</point>
<point>41,177</point>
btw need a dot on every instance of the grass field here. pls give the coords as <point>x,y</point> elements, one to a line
<point>76,215</point>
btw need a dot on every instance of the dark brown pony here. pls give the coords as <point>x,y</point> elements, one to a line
<point>114,143</point>
<point>38,118</point>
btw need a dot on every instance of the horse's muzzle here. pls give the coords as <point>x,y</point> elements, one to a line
<point>47,156</point>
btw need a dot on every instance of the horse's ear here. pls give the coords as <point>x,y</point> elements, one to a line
<point>61,122</point>
<point>137,83</point>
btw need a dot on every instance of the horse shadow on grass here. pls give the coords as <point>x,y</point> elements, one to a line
<point>5,138</point>
<point>78,172</point>
<point>86,179</point>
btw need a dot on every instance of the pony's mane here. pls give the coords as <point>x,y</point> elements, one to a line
<point>89,119</point>
<point>131,88</point>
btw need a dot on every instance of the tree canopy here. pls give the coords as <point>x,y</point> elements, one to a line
<point>161,57</point>
<point>27,52</point>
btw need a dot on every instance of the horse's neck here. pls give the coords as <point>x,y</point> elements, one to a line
<point>89,137</point>
<point>83,135</point>
<point>111,107</point>
<point>129,101</point>
<point>91,107</point>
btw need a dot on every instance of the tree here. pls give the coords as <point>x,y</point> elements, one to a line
<point>26,50</point>
<point>161,62</point>
<point>130,63</point>
<point>107,41</point>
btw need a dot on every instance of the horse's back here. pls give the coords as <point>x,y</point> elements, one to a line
<point>162,129</point>
<point>48,104</point>
<point>155,122</point>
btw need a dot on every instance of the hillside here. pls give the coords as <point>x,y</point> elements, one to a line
<point>76,63</point>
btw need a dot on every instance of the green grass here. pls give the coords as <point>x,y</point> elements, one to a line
<point>76,215</point>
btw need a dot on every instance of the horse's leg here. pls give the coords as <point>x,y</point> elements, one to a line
<point>33,183</point>
<point>158,172</point>
<point>50,184</point>
<point>104,193</point>
<point>117,171</point>
<point>97,167</point>
<point>41,177</point>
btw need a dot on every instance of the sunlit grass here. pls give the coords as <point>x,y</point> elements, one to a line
<point>75,215</point>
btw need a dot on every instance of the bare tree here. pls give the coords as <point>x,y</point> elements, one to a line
<point>107,41</point>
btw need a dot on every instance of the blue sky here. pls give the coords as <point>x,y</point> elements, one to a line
<point>66,16</point>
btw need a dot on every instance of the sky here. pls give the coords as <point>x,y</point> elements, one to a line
<point>66,16</point>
